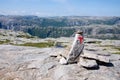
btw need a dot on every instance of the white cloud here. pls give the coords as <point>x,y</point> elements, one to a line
<point>13,12</point>
<point>44,14</point>
<point>8,12</point>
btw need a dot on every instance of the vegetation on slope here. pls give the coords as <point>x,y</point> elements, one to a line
<point>4,41</point>
<point>96,27</point>
<point>40,45</point>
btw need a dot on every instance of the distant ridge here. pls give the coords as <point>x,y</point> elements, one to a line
<point>94,26</point>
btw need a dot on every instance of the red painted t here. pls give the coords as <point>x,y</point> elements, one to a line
<point>80,38</point>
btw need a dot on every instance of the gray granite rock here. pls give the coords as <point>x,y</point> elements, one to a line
<point>88,63</point>
<point>96,56</point>
<point>28,63</point>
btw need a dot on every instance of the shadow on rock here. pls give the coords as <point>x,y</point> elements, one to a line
<point>105,64</point>
<point>92,68</point>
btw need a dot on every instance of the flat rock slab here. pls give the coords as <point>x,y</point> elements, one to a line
<point>101,58</point>
<point>87,63</point>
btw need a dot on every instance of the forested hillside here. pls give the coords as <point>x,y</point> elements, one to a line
<point>96,27</point>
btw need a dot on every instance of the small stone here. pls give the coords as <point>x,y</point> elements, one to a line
<point>63,61</point>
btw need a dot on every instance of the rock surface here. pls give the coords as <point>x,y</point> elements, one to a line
<point>28,63</point>
<point>88,63</point>
<point>102,58</point>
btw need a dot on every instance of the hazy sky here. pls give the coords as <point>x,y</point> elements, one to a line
<point>61,7</point>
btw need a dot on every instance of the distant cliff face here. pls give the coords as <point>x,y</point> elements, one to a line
<point>97,27</point>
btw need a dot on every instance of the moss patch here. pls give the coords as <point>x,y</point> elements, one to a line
<point>106,46</point>
<point>40,45</point>
<point>118,48</point>
<point>5,41</point>
<point>116,52</point>
<point>25,36</point>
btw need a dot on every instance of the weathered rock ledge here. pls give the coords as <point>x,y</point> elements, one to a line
<point>28,63</point>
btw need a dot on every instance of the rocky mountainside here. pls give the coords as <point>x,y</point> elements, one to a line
<point>97,27</point>
<point>30,63</point>
<point>14,37</point>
